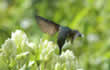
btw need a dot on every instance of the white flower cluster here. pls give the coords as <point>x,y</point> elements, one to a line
<point>22,54</point>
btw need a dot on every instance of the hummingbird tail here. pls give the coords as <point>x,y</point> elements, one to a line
<point>60,50</point>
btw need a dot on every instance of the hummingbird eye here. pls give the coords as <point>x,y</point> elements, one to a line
<point>81,35</point>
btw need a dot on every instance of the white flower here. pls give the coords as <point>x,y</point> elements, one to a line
<point>67,54</point>
<point>18,35</point>
<point>31,63</point>
<point>19,56</point>
<point>9,47</point>
<point>20,39</point>
<point>57,66</point>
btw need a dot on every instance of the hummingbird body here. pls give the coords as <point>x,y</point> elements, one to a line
<point>51,28</point>
<point>64,32</point>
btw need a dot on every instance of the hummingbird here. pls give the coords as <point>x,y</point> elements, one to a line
<point>51,28</point>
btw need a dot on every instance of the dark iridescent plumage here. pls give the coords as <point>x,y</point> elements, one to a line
<point>51,28</point>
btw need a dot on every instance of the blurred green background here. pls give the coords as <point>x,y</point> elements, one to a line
<point>90,17</point>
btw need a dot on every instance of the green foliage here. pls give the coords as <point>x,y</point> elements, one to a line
<point>90,17</point>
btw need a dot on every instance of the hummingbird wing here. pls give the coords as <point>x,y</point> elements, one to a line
<point>47,26</point>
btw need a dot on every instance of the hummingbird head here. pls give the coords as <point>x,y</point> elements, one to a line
<point>76,34</point>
